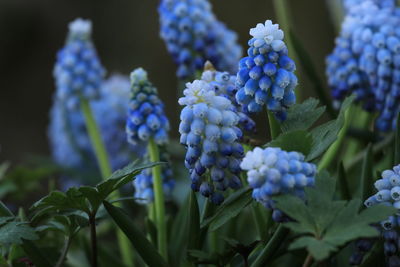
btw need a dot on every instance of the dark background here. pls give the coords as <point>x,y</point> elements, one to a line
<point>126,34</point>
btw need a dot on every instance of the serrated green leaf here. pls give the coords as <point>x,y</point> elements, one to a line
<point>139,241</point>
<point>336,222</point>
<point>298,140</point>
<point>297,210</point>
<point>231,207</point>
<point>4,220</point>
<point>72,199</point>
<point>302,116</point>
<point>325,134</point>
<point>318,248</point>
<point>122,177</point>
<point>13,232</point>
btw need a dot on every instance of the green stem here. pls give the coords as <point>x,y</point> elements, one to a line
<point>272,245</point>
<point>361,120</point>
<point>106,171</point>
<point>332,151</point>
<point>64,252</point>
<point>95,138</point>
<point>274,127</point>
<point>158,200</point>
<point>93,239</point>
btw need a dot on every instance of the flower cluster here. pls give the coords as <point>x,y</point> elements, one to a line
<point>146,117</point>
<point>388,194</point>
<point>193,35</point>
<point>78,72</point>
<point>366,59</point>
<point>209,130</point>
<point>67,133</point>
<point>266,76</point>
<point>224,85</point>
<point>143,183</point>
<point>273,171</point>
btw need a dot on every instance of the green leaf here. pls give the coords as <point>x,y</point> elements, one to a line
<point>139,241</point>
<point>324,224</point>
<point>231,207</point>
<point>319,249</point>
<point>121,177</point>
<point>298,140</point>
<point>325,134</point>
<point>13,232</point>
<point>302,116</point>
<point>71,200</point>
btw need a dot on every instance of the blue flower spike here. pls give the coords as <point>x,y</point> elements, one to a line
<point>266,76</point>
<point>146,118</point>
<point>273,171</point>
<point>193,35</point>
<point>209,130</point>
<point>78,71</point>
<point>69,140</point>
<point>366,59</point>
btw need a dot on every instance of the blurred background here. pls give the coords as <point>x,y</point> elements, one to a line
<point>126,34</point>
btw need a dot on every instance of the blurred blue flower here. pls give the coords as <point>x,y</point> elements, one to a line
<point>193,35</point>
<point>366,59</point>
<point>78,71</point>
<point>70,143</point>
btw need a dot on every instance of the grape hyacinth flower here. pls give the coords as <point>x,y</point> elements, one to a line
<point>144,192</point>
<point>223,84</point>
<point>209,130</point>
<point>146,117</point>
<point>69,140</point>
<point>266,76</point>
<point>193,35</point>
<point>273,171</point>
<point>388,194</point>
<point>366,59</point>
<point>78,71</point>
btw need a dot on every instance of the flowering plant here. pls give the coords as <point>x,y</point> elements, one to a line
<point>130,193</point>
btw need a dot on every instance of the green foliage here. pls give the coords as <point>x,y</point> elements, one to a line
<point>322,232</point>
<point>230,208</point>
<point>13,232</point>
<point>145,249</point>
<point>298,140</point>
<point>325,134</point>
<point>302,116</point>
<point>88,199</point>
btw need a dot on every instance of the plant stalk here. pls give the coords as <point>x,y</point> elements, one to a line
<point>93,239</point>
<point>274,127</point>
<point>332,151</point>
<point>64,252</point>
<point>106,171</point>
<point>308,261</point>
<point>158,200</point>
